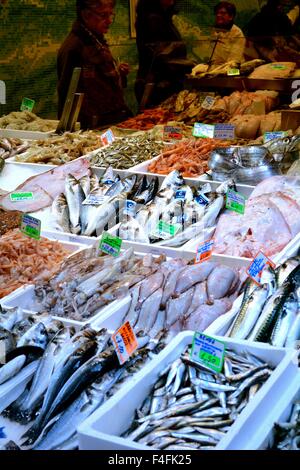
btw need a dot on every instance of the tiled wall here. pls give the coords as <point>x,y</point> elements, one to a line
<point>32,31</point>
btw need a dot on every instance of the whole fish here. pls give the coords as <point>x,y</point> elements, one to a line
<point>75,197</point>
<point>60,210</point>
<point>250,310</point>
<point>284,321</point>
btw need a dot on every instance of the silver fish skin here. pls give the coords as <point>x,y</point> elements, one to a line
<point>132,230</point>
<point>36,336</point>
<point>249,312</point>
<point>11,368</point>
<point>75,197</point>
<point>60,211</point>
<point>262,375</point>
<point>293,335</point>
<point>94,182</point>
<point>76,413</point>
<point>85,185</point>
<point>285,269</point>
<point>39,385</point>
<point>285,320</point>
<point>266,314</point>
<point>98,218</point>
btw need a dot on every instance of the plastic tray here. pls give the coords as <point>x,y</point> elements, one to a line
<point>100,432</point>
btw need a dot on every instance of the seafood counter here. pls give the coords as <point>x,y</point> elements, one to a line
<point>179,266</point>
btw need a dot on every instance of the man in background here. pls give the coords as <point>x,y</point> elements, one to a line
<point>229,40</point>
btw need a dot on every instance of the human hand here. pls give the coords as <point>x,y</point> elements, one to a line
<point>124,68</point>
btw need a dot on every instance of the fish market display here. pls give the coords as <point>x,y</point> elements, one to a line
<point>190,157</point>
<point>9,220</point>
<point>287,434</point>
<point>190,407</point>
<point>61,149</point>
<point>12,147</point>
<point>147,120</point>
<point>74,374</point>
<point>190,211</point>
<point>270,222</point>
<point>26,121</point>
<point>24,260</point>
<point>45,187</point>
<point>252,126</point>
<point>269,312</point>
<point>88,205</point>
<point>127,152</point>
<point>181,296</point>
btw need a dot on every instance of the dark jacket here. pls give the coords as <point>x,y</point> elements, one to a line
<point>103,102</point>
<point>158,41</point>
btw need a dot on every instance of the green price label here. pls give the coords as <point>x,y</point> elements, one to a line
<point>15,197</point>
<point>208,351</point>
<point>110,245</point>
<point>278,66</point>
<point>31,227</point>
<point>232,72</point>
<point>27,104</point>
<point>235,202</point>
<point>165,231</point>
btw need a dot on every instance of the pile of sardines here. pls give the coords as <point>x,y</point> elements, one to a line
<point>73,373</point>
<point>127,152</point>
<point>191,407</point>
<point>270,312</point>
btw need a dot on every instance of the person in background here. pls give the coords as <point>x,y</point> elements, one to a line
<point>229,40</point>
<point>162,54</point>
<point>101,78</point>
<point>271,31</point>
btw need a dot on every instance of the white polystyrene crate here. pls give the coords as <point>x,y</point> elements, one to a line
<point>100,432</point>
<point>258,432</point>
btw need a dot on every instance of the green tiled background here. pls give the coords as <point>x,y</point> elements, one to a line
<point>32,31</point>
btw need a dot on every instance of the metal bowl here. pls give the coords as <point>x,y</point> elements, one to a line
<point>223,159</point>
<point>254,156</point>
<point>255,175</point>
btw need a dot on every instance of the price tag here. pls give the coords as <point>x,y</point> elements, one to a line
<point>208,102</point>
<point>130,208</point>
<point>257,266</point>
<point>171,132</point>
<point>180,195</point>
<point>125,342</point>
<point>233,72</point>
<point>31,226</point>
<point>203,130</point>
<point>208,351</point>
<point>204,251</point>
<point>15,197</point>
<point>27,104</point>
<point>110,245</point>
<point>165,230</point>
<point>274,135</point>
<point>278,66</point>
<point>202,200</point>
<point>108,137</point>
<point>235,202</point>
<point>224,131</point>
<point>94,200</point>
